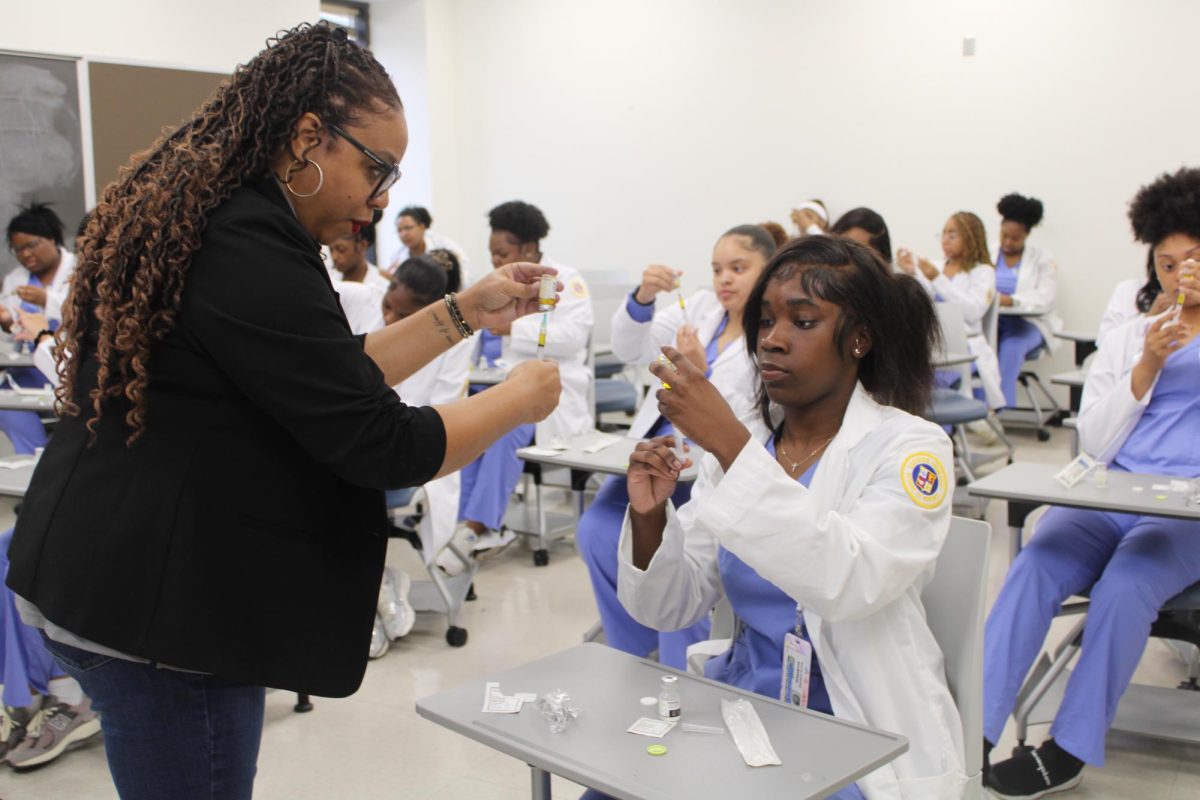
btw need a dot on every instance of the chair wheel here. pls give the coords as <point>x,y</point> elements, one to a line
<point>471,596</point>
<point>541,558</point>
<point>456,636</point>
<point>1021,749</point>
<point>303,705</point>
<point>1043,435</point>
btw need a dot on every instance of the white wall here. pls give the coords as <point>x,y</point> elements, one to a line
<point>213,35</point>
<point>644,129</point>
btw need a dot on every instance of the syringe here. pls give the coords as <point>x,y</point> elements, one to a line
<point>679,295</point>
<point>547,299</point>
<point>662,359</point>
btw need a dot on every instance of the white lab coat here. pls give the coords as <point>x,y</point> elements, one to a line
<point>435,241</point>
<point>1109,412</point>
<point>362,304</point>
<point>639,343</point>
<point>975,291</point>
<point>856,552</point>
<point>567,336</point>
<point>56,292</point>
<point>1037,290</point>
<point>1122,306</point>
<point>441,381</point>
<point>374,277</point>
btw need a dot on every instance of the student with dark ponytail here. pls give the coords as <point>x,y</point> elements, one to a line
<point>208,518</point>
<point>821,520</point>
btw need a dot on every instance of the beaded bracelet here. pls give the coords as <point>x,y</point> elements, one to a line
<point>457,317</point>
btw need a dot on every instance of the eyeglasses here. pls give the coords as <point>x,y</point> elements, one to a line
<point>389,177</point>
<point>25,248</point>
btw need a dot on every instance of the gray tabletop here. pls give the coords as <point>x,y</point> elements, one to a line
<point>820,754</point>
<point>1034,483</point>
<point>14,359</point>
<point>612,460</point>
<point>12,400</point>
<point>943,360</point>
<point>1073,378</point>
<point>488,376</point>
<point>1016,311</point>
<point>14,481</point>
<point>1077,336</point>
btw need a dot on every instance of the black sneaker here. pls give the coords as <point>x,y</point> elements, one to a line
<point>1038,773</point>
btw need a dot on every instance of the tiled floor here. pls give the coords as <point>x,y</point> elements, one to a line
<point>374,745</point>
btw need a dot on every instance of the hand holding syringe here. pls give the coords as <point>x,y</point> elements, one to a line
<point>1187,281</point>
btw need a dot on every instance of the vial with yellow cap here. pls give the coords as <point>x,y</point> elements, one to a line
<point>547,293</point>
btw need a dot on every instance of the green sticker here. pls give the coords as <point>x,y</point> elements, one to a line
<point>1160,497</point>
<point>657,749</point>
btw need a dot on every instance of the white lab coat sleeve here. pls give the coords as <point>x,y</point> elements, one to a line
<point>451,382</point>
<point>1040,294</point>
<point>843,564</point>
<point>567,328</point>
<point>641,342</point>
<point>43,359</point>
<point>681,584</point>
<point>1122,307</point>
<point>1109,411</point>
<point>975,297</point>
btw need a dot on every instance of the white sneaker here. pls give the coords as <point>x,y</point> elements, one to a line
<point>983,431</point>
<point>379,641</point>
<point>491,543</point>
<point>395,611</point>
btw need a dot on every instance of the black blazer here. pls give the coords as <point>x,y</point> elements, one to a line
<point>242,535</point>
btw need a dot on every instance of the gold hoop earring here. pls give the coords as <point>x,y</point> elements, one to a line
<point>288,175</point>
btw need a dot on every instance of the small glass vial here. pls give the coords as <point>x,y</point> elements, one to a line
<point>669,706</point>
<point>1100,475</point>
<point>547,293</point>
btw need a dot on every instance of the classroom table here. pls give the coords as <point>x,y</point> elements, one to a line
<point>947,360</point>
<point>487,376</point>
<point>1028,485</point>
<point>1074,381</point>
<point>1145,710</point>
<point>15,480</point>
<point>1085,344</point>
<point>820,754</point>
<point>15,359</point>
<point>611,460</point>
<point>29,400</point>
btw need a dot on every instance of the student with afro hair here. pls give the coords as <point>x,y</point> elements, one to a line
<point>1025,280</point>
<point>1140,413</point>
<point>487,483</point>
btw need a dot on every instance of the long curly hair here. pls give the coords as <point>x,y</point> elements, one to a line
<point>134,256</point>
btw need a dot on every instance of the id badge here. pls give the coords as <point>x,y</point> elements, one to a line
<point>797,666</point>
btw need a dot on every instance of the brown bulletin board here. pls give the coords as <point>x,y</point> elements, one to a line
<point>131,105</point>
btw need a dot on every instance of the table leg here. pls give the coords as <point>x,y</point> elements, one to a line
<point>1017,514</point>
<point>541,783</point>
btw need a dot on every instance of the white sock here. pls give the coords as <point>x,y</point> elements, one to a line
<point>67,689</point>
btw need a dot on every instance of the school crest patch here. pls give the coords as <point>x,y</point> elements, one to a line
<point>924,479</point>
<point>578,288</point>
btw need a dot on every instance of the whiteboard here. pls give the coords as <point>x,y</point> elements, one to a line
<point>40,141</point>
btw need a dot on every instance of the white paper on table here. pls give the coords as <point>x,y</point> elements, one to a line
<point>654,728</point>
<point>18,463</point>
<point>496,702</point>
<point>602,441</point>
<point>542,452</point>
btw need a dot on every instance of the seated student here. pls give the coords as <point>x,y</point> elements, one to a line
<point>349,257</point>
<point>487,483</point>
<point>710,335</point>
<point>820,519</point>
<point>1025,279</point>
<point>45,712</point>
<point>966,277</point>
<point>1132,297</point>
<point>414,226</point>
<point>811,218</point>
<point>38,285</point>
<point>361,303</point>
<point>866,227</point>
<point>415,284</point>
<point>1140,413</point>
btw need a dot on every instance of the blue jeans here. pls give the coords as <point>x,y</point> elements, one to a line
<point>169,733</point>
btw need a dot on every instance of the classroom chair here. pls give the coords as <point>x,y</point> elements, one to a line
<point>1028,380</point>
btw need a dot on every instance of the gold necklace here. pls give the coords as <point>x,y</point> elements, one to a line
<point>796,464</point>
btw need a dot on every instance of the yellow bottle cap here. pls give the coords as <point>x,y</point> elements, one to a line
<point>657,749</point>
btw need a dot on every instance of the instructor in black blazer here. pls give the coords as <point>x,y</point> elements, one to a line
<point>209,517</point>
